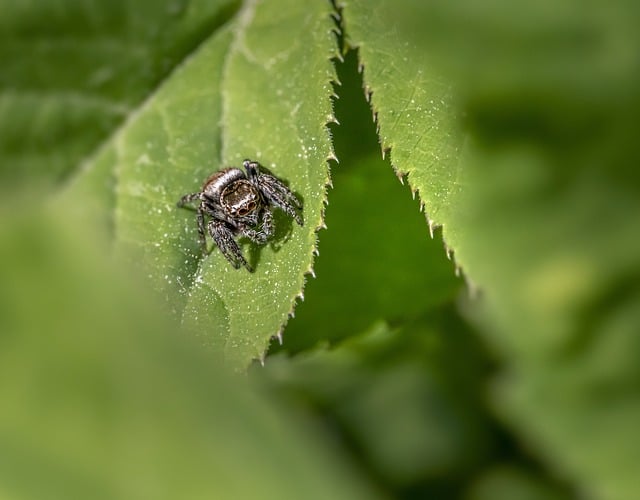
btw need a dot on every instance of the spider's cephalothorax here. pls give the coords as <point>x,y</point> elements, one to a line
<point>240,203</point>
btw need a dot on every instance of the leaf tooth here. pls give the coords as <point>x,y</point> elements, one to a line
<point>312,273</point>
<point>448,251</point>
<point>332,157</point>
<point>421,205</point>
<point>332,119</point>
<point>431,226</point>
<point>368,93</point>
<point>316,252</point>
<point>360,67</point>
<point>385,152</point>
<point>301,294</point>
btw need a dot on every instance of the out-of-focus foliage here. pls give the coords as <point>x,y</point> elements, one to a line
<point>102,398</point>
<point>395,395</point>
<point>516,127</point>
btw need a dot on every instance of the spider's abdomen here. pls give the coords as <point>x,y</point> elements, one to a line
<point>215,183</point>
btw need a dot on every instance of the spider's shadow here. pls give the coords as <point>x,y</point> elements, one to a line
<point>283,229</point>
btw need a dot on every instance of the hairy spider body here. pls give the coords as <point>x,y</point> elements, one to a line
<point>239,204</point>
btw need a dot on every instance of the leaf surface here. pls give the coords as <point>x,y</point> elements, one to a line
<point>248,92</point>
<point>276,98</point>
<point>411,100</point>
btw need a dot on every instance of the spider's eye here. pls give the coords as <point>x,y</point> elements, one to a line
<point>247,209</point>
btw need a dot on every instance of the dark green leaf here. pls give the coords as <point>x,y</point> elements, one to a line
<point>73,72</point>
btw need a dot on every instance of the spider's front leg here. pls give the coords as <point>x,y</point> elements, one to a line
<point>274,191</point>
<point>266,229</point>
<point>188,198</point>
<point>223,238</point>
<point>183,203</point>
<point>201,230</point>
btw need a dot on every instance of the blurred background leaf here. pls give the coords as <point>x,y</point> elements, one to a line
<point>101,398</point>
<point>409,400</point>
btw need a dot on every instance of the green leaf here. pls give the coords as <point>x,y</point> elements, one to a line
<point>72,73</point>
<point>247,93</point>
<point>411,100</point>
<point>541,207</point>
<point>101,398</point>
<point>276,93</point>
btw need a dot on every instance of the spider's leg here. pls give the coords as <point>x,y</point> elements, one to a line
<point>279,195</point>
<point>201,230</point>
<point>274,190</point>
<point>223,237</point>
<point>252,169</point>
<point>265,231</point>
<point>267,223</point>
<point>188,198</point>
<point>278,186</point>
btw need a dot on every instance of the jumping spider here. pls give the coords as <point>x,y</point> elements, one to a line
<point>240,204</point>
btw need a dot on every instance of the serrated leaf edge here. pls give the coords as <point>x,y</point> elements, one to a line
<point>472,288</point>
